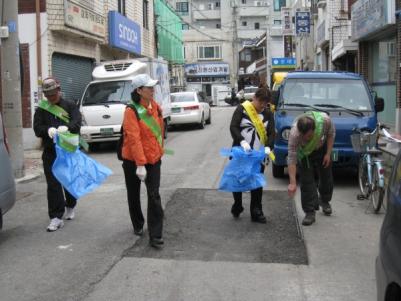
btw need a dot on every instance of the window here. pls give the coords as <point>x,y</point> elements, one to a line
<point>145,14</point>
<point>210,6</point>
<point>257,25</point>
<point>243,1</point>
<point>121,6</point>
<point>182,8</point>
<point>244,23</point>
<point>185,27</point>
<point>277,22</point>
<point>278,4</point>
<point>384,61</point>
<point>209,52</point>
<point>217,4</point>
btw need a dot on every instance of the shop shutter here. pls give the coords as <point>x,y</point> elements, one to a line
<point>73,72</point>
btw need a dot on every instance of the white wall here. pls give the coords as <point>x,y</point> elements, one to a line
<point>27,34</point>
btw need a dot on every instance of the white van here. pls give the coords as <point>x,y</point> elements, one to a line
<point>104,100</point>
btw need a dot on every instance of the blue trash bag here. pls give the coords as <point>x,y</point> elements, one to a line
<point>242,172</point>
<point>77,172</point>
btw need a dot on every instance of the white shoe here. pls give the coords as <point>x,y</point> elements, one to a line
<point>69,214</point>
<point>55,224</point>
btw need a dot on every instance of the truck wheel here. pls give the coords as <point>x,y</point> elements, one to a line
<point>165,129</point>
<point>278,171</point>
<point>209,120</point>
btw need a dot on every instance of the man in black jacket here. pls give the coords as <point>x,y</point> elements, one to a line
<point>46,125</point>
<point>245,134</point>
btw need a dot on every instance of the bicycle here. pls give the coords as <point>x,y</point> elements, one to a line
<point>370,168</point>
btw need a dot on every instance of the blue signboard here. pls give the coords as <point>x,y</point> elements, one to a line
<point>284,62</point>
<point>302,23</point>
<point>124,33</point>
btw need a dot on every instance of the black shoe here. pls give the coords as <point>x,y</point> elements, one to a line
<point>309,219</point>
<point>236,211</point>
<point>138,232</point>
<point>156,243</point>
<point>257,216</point>
<point>326,209</point>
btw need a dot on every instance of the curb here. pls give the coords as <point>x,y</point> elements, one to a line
<point>29,178</point>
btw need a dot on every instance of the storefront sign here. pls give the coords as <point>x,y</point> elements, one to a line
<point>284,62</point>
<point>286,21</point>
<point>302,23</point>
<point>207,69</point>
<point>82,18</point>
<point>124,33</point>
<point>370,16</point>
<point>288,46</point>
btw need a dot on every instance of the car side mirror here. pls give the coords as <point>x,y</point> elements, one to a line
<point>379,104</point>
<point>275,97</point>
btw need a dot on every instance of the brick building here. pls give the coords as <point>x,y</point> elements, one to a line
<point>66,38</point>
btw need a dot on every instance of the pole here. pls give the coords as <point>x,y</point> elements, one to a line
<point>38,46</point>
<point>11,86</point>
<point>234,46</point>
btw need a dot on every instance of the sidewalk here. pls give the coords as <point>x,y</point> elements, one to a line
<point>33,166</point>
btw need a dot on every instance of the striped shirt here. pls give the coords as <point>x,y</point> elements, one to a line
<point>295,140</point>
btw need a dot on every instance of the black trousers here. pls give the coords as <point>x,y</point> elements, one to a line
<point>256,198</point>
<point>155,210</point>
<point>57,197</point>
<point>315,180</point>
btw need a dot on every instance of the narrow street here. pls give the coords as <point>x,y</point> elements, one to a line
<point>95,256</point>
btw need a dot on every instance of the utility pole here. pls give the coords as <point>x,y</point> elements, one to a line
<point>234,43</point>
<point>11,86</point>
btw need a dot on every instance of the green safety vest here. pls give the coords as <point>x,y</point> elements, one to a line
<point>306,150</point>
<point>62,114</point>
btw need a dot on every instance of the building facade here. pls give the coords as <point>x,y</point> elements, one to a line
<point>66,38</point>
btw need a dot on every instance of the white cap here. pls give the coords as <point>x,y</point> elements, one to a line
<point>143,80</point>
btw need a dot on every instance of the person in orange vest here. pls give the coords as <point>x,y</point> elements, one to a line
<point>252,127</point>
<point>142,151</point>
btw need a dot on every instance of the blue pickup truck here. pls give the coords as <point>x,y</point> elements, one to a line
<point>345,96</point>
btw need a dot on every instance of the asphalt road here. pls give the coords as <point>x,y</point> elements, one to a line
<point>85,260</point>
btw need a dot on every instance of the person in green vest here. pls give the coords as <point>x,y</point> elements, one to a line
<point>55,115</point>
<point>310,147</point>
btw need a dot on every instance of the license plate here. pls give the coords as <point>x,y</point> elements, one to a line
<point>176,110</point>
<point>334,155</point>
<point>106,132</point>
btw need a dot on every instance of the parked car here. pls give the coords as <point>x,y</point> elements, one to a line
<point>7,184</point>
<point>190,108</point>
<point>345,96</point>
<point>247,93</point>
<point>388,263</point>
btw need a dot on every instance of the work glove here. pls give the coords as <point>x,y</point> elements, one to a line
<point>62,129</point>
<point>52,132</point>
<point>245,145</point>
<point>141,172</point>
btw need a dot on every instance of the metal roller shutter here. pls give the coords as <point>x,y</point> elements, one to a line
<point>73,72</point>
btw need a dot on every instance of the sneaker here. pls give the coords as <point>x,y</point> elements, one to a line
<point>69,214</point>
<point>326,208</point>
<point>55,224</point>
<point>309,219</point>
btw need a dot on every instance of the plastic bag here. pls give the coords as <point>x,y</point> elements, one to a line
<point>242,172</point>
<point>77,172</point>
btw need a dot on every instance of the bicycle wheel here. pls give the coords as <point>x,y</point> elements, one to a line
<point>363,176</point>
<point>377,194</point>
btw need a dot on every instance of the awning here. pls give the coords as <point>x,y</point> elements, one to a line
<point>342,48</point>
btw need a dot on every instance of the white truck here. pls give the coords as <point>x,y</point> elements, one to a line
<point>219,93</point>
<point>104,100</point>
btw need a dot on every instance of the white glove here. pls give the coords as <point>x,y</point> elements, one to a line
<point>267,150</point>
<point>141,172</point>
<point>52,132</point>
<point>245,145</point>
<point>62,129</point>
